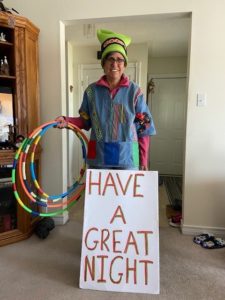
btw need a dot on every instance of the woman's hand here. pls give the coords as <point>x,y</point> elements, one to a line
<point>61,122</point>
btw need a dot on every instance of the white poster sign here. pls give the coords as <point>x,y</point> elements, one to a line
<point>120,245</point>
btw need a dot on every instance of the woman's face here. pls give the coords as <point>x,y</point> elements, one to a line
<point>114,66</point>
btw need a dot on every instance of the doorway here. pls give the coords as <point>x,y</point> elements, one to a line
<point>155,31</point>
<point>168,103</point>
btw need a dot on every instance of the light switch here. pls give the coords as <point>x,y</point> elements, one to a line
<point>201,99</point>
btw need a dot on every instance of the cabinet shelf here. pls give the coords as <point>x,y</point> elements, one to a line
<point>7,77</point>
<point>6,157</point>
<point>6,44</point>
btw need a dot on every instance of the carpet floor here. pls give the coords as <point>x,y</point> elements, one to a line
<point>49,269</point>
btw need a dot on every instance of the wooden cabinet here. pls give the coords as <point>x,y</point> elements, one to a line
<point>19,46</point>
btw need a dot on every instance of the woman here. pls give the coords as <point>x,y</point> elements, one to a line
<point>115,110</point>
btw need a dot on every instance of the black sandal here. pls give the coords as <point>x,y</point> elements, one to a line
<point>198,239</point>
<point>213,243</point>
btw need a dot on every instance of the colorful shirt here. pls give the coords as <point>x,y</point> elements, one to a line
<point>117,120</point>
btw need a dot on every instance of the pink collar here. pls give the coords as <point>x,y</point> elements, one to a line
<point>124,81</point>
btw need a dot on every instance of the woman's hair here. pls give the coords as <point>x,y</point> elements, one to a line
<point>109,54</point>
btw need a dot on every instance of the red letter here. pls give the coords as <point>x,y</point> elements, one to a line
<point>146,239</point>
<point>137,185</point>
<point>104,239</point>
<point>118,214</point>
<point>116,241</point>
<point>134,269</point>
<point>110,184</point>
<point>128,181</point>
<point>146,262</point>
<point>102,257</point>
<point>86,238</point>
<point>91,268</point>
<point>110,270</point>
<point>98,183</point>
<point>131,241</point>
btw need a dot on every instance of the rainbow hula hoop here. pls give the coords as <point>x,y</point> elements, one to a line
<point>40,197</point>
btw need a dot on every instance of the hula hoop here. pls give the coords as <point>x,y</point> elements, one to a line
<point>41,198</point>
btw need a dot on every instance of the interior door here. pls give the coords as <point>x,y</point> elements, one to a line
<point>168,107</point>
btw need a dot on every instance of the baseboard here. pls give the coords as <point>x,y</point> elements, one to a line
<point>61,219</point>
<point>195,230</point>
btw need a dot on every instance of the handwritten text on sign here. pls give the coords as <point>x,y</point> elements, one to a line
<point>120,250</point>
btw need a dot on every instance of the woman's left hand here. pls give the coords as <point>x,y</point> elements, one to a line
<point>61,122</point>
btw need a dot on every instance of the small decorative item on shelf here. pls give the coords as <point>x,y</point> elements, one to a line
<point>4,67</point>
<point>6,9</point>
<point>1,67</point>
<point>10,11</point>
<point>19,140</point>
<point>2,37</point>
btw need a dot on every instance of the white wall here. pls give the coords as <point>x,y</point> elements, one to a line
<point>139,53</point>
<point>167,65</point>
<point>204,194</point>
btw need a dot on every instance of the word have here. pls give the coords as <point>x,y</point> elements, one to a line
<point>114,182</point>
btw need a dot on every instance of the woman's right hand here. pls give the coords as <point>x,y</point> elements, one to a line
<point>61,122</point>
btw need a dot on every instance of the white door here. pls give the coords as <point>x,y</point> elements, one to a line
<point>168,107</point>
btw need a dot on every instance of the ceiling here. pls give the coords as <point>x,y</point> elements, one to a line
<point>166,35</point>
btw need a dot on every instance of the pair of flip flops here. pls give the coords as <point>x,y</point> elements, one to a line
<point>208,241</point>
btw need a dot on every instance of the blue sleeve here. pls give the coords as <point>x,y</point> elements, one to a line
<point>84,111</point>
<point>143,118</point>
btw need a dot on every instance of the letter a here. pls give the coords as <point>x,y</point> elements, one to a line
<point>118,214</point>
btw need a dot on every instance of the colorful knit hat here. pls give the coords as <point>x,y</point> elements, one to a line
<point>113,42</point>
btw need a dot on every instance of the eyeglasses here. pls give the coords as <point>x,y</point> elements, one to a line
<point>117,60</point>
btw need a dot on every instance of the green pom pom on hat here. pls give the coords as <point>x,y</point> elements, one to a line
<point>113,42</point>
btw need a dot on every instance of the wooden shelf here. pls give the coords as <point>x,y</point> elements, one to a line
<point>7,44</point>
<point>6,157</point>
<point>7,77</point>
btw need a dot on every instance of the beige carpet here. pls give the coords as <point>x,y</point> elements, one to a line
<point>49,269</point>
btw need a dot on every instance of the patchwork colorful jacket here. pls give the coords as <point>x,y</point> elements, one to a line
<point>116,124</point>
